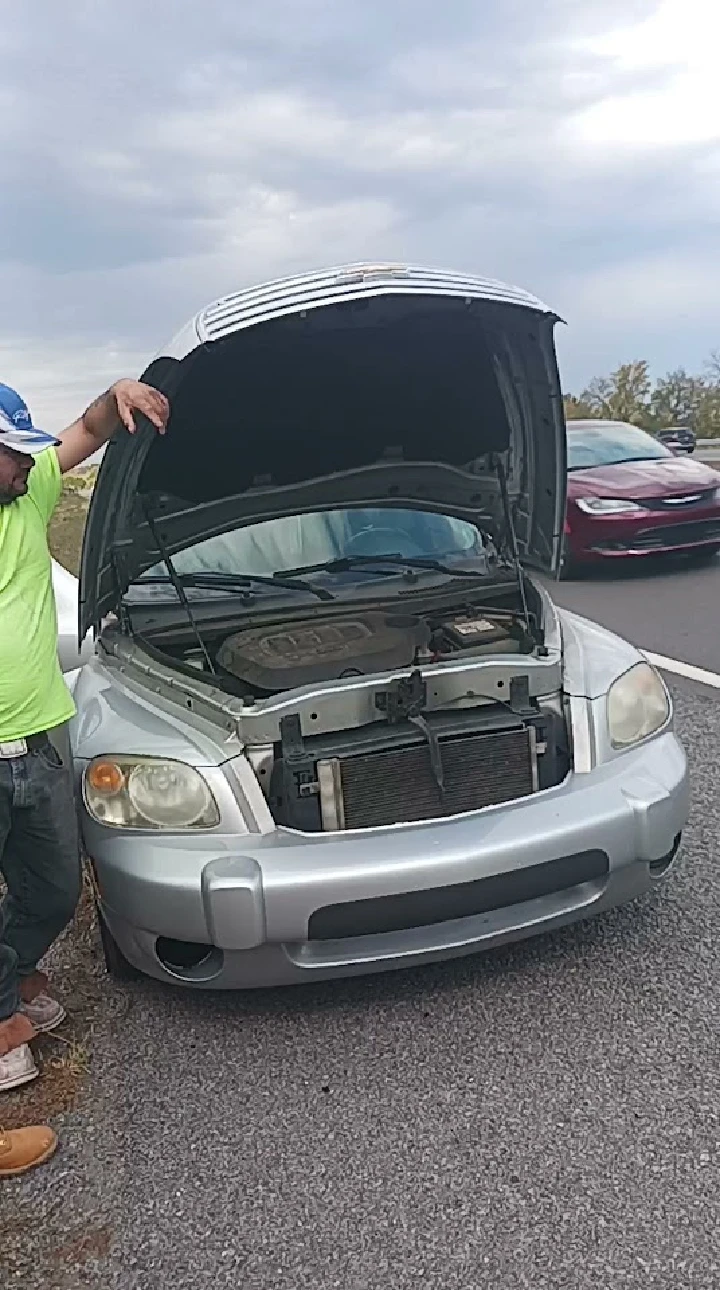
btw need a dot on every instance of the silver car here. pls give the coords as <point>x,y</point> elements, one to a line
<point>334,722</point>
<point>71,654</point>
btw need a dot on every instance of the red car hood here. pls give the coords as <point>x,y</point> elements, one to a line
<point>666,477</point>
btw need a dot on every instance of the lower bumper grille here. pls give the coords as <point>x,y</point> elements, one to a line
<point>398,785</point>
<point>383,914</point>
<point>666,535</point>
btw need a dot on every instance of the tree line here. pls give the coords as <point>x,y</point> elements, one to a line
<point>676,399</point>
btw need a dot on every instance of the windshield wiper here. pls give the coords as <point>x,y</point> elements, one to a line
<point>212,581</point>
<point>626,459</point>
<point>346,562</point>
<point>622,462</point>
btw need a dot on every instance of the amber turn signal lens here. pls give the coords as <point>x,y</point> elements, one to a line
<point>105,777</point>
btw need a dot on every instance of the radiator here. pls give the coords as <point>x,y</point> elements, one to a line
<point>397,785</point>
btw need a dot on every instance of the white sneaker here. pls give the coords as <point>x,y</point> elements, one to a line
<point>17,1067</point>
<point>43,1012</point>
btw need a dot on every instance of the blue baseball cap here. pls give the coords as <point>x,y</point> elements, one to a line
<point>16,428</point>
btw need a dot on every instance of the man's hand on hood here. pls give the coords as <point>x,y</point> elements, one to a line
<point>120,404</point>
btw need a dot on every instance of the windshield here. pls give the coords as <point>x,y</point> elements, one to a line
<point>609,445</point>
<point>295,541</point>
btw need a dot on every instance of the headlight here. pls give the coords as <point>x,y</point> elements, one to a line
<point>637,706</point>
<point>148,793</point>
<point>606,505</point>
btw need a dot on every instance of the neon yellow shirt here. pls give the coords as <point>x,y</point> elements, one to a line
<point>33,694</point>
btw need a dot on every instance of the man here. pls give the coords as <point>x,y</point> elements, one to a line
<point>39,847</point>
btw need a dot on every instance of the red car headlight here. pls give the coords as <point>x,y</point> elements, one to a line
<point>606,505</point>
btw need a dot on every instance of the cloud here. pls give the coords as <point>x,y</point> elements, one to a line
<point>661,306</point>
<point>671,56</point>
<point>155,157</point>
<point>60,377</point>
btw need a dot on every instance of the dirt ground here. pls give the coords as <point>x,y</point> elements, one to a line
<point>77,971</point>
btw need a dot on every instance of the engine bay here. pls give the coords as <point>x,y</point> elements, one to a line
<point>410,748</point>
<point>269,659</point>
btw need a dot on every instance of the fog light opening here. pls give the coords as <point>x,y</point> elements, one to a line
<point>661,866</point>
<point>188,960</point>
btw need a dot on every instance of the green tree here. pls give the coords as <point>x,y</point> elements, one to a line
<point>708,426</point>
<point>622,396</point>
<point>677,400</point>
<point>708,415</point>
<point>576,409</point>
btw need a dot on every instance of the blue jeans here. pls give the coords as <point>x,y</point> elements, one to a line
<point>39,860</point>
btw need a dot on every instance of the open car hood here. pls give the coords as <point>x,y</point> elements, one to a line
<point>359,386</point>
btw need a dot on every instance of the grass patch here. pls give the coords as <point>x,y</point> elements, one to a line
<point>68,523</point>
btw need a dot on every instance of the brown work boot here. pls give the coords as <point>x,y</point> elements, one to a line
<point>22,1149</point>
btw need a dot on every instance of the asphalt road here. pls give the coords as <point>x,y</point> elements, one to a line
<point>670,607</point>
<point>544,1116</point>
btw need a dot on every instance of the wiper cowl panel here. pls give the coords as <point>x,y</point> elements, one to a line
<point>345,563</point>
<point>211,581</point>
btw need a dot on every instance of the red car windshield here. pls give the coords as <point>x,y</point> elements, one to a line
<point>609,445</point>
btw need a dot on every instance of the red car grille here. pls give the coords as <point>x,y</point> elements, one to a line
<point>672,534</point>
<point>677,505</point>
<point>665,535</point>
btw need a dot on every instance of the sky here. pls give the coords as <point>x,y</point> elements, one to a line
<point>156,157</point>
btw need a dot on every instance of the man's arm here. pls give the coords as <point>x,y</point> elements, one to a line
<point>100,420</point>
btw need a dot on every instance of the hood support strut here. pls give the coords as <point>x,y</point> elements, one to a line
<point>178,587</point>
<point>510,536</point>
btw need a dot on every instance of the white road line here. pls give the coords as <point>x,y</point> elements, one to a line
<point>687,670</point>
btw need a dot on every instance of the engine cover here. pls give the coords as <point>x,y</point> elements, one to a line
<point>283,658</point>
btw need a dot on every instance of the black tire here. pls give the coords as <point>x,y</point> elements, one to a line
<point>704,556</point>
<point>116,964</point>
<point>568,570</point>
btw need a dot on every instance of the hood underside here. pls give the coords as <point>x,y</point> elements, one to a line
<point>395,398</point>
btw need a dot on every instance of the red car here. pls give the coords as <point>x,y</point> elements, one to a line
<point>628,495</point>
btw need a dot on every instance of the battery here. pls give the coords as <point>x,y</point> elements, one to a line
<point>466,633</point>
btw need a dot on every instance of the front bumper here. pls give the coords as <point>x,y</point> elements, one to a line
<point>251,900</point>
<point>613,537</point>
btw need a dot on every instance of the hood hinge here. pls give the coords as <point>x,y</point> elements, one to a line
<point>123,613</point>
